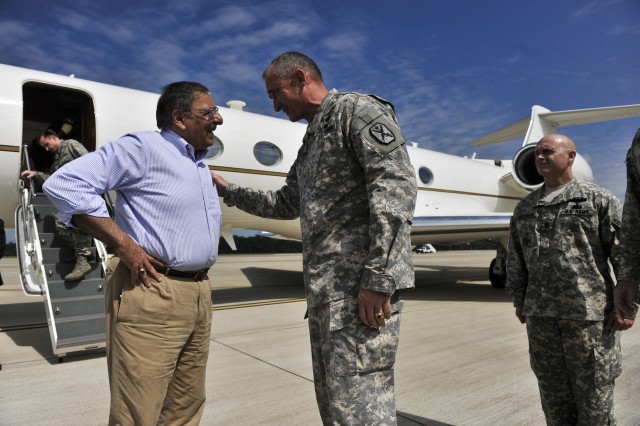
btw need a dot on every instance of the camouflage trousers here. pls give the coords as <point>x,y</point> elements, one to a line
<point>79,240</point>
<point>576,364</point>
<point>353,364</point>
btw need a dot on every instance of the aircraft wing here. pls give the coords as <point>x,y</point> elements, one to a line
<point>448,229</point>
<point>512,131</point>
<point>553,120</point>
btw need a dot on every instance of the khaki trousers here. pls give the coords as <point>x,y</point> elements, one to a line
<point>157,348</point>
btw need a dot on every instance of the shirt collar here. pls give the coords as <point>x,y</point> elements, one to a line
<point>182,145</point>
<point>570,191</point>
<point>326,106</point>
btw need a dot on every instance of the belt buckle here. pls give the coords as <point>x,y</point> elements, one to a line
<point>199,275</point>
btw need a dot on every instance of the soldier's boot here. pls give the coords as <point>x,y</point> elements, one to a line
<point>79,271</point>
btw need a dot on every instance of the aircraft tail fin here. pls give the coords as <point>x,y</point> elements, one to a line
<point>543,122</point>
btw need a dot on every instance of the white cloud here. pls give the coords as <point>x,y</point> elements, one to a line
<point>595,7</point>
<point>624,30</point>
<point>345,44</point>
<point>232,18</point>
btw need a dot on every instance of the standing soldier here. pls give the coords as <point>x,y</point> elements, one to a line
<point>354,189</point>
<point>625,294</point>
<point>562,238</point>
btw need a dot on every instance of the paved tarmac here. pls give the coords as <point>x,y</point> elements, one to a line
<point>462,359</point>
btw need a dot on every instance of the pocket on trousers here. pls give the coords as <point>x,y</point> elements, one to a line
<point>112,264</point>
<point>377,348</point>
<point>608,358</point>
<point>343,315</point>
<point>356,348</point>
<point>148,304</point>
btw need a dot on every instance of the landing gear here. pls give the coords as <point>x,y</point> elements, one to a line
<point>497,269</point>
<point>497,273</point>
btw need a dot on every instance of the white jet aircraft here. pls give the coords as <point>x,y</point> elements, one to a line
<point>459,198</point>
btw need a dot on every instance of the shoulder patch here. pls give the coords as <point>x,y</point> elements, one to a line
<point>383,135</point>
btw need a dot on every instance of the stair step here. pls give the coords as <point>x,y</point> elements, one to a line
<point>75,309</point>
<point>81,329</point>
<point>57,271</point>
<point>62,255</point>
<point>45,223</point>
<point>40,199</point>
<point>44,210</point>
<point>60,289</point>
<point>51,240</point>
<point>77,306</point>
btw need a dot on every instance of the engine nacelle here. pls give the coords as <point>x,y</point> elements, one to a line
<point>527,176</point>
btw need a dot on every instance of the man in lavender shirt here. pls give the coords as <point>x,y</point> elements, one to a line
<point>165,233</point>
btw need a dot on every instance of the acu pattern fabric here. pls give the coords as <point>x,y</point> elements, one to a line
<point>558,252</point>
<point>354,189</point>
<point>630,234</point>
<point>355,195</point>
<point>557,268</point>
<point>353,364</point>
<point>69,150</point>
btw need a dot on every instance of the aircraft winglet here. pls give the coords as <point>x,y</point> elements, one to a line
<point>543,122</point>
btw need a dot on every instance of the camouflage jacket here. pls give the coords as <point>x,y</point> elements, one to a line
<point>630,233</point>
<point>69,150</point>
<point>354,189</point>
<point>558,252</point>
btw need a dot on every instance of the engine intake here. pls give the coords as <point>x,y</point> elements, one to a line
<point>527,176</point>
<point>524,168</point>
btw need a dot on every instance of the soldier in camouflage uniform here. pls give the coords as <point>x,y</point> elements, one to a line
<point>626,295</point>
<point>562,237</point>
<point>65,151</point>
<point>354,189</point>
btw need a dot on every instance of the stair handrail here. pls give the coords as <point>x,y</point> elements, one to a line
<point>109,202</point>
<point>31,268</point>
<point>27,215</point>
<point>27,162</point>
<point>32,273</point>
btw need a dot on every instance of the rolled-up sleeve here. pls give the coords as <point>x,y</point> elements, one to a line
<point>77,187</point>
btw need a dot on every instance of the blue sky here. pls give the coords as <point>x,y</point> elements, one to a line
<point>454,69</point>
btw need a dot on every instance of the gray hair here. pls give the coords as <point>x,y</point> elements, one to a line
<point>177,96</point>
<point>285,64</point>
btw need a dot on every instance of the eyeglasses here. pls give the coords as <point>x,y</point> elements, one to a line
<point>209,115</point>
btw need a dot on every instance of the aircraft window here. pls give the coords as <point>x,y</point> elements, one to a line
<point>425,175</point>
<point>215,150</point>
<point>267,153</point>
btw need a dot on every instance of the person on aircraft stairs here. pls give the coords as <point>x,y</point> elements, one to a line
<point>65,151</point>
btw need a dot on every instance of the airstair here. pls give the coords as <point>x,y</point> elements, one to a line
<point>74,309</point>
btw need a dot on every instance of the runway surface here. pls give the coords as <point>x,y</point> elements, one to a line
<point>462,359</point>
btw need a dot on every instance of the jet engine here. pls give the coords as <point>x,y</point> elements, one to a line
<point>526,174</point>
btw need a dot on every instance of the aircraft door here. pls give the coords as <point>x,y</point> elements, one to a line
<point>68,112</point>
